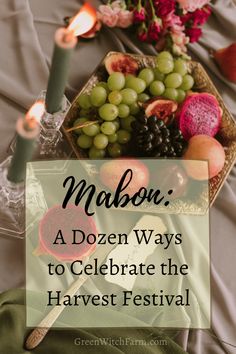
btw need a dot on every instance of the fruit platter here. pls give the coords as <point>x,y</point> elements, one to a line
<point>153,107</point>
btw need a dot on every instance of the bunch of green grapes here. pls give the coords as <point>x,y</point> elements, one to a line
<point>171,78</point>
<point>117,102</point>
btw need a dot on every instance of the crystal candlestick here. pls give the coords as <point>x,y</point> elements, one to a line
<point>12,203</point>
<point>50,141</point>
<point>50,137</point>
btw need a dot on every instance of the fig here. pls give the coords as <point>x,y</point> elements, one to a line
<point>68,219</point>
<point>204,147</point>
<point>161,108</point>
<point>112,171</point>
<point>200,114</point>
<point>123,63</point>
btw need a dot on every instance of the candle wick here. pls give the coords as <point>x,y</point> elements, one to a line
<point>29,123</point>
<point>68,36</point>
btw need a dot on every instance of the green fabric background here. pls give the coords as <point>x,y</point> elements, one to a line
<point>13,333</point>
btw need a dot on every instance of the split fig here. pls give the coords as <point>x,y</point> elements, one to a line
<point>161,108</point>
<point>123,63</point>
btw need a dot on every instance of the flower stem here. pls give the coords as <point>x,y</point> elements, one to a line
<point>153,9</point>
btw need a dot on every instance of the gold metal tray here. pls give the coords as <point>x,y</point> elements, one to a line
<point>227,134</point>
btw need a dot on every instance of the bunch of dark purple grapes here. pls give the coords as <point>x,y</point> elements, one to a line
<point>152,138</point>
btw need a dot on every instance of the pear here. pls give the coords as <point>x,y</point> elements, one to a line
<point>226,60</point>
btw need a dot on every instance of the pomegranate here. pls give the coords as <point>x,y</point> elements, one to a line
<point>204,147</point>
<point>112,171</point>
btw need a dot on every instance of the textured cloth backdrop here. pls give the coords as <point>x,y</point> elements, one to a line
<point>27,29</point>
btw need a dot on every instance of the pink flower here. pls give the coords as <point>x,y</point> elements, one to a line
<point>125,19</point>
<point>171,21</point>
<point>178,36</point>
<point>108,15</point>
<point>117,4</point>
<point>153,30</point>
<point>139,15</point>
<point>174,25</point>
<point>192,5</point>
<point>194,34</point>
<point>179,39</point>
<point>115,15</point>
<point>179,42</point>
<point>164,7</point>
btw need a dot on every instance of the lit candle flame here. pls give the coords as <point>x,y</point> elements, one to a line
<point>36,111</point>
<point>83,21</point>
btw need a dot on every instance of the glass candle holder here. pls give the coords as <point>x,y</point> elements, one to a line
<point>51,143</point>
<point>50,137</point>
<point>12,203</point>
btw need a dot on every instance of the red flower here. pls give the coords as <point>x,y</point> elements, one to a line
<point>201,16</point>
<point>164,7</point>
<point>142,34</point>
<point>153,30</point>
<point>198,17</point>
<point>186,18</point>
<point>194,34</point>
<point>139,15</point>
